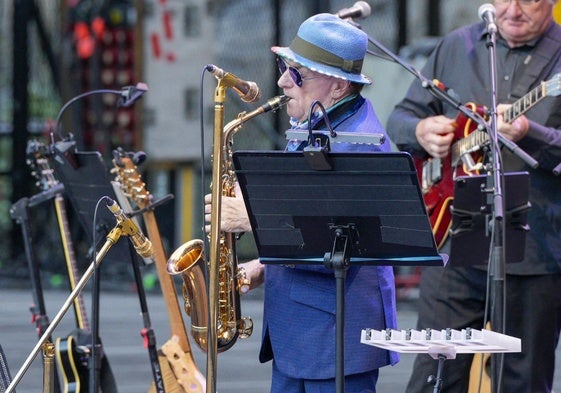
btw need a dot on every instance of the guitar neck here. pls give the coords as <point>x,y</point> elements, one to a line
<point>166,282</point>
<point>524,104</point>
<point>73,274</point>
<point>477,137</point>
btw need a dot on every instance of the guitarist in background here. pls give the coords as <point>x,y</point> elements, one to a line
<point>528,51</point>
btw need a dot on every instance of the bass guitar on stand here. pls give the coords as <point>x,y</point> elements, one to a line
<point>436,175</point>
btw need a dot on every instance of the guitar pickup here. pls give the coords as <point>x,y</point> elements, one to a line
<point>432,173</point>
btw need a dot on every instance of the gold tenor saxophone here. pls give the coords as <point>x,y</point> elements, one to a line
<point>189,260</point>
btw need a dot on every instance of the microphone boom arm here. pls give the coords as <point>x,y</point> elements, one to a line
<point>444,96</point>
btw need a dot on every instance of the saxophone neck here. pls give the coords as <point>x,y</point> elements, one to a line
<point>272,104</point>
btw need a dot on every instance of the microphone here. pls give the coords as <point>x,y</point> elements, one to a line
<point>129,94</point>
<point>360,9</point>
<point>487,14</point>
<point>141,243</point>
<point>248,91</point>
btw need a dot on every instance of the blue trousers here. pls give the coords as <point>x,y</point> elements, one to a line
<point>356,383</point>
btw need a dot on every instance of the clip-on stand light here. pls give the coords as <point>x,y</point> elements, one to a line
<point>318,145</point>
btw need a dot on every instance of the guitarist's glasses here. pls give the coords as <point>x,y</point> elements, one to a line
<point>521,3</point>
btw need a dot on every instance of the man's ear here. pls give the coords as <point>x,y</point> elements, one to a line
<point>340,89</point>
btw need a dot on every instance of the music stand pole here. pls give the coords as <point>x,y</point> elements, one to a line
<point>112,238</point>
<point>339,261</point>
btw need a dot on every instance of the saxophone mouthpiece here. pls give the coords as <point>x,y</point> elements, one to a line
<point>275,103</point>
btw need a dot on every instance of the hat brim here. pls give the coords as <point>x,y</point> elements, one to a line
<point>324,69</point>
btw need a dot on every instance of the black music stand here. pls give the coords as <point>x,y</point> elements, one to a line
<point>86,181</point>
<point>367,209</point>
<point>472,216</point>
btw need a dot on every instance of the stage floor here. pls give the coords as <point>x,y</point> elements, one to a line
<point>238,369</point>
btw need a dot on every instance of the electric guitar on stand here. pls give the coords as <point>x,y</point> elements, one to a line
<point>184,376</point>
<point>436,175</point>
<point>72,352</point>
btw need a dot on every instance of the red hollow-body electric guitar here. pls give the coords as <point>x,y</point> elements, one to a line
<point>436,175</point>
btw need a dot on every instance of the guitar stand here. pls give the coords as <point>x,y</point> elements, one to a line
<point>19,212</point>
<point>147,332</point>
<point>5,376</point>
<point>112,238</point>
<point>441,354</point>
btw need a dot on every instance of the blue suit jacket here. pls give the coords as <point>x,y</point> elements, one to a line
<point>300,301</point>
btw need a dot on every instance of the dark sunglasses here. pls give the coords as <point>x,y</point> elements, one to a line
<point>294,73</point>
<point>297,78</point>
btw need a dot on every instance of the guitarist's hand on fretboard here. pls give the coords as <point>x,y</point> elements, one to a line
<point>515,130</point>
<point>435,134</point>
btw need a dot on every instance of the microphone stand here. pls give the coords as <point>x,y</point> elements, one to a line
<point>111,239</point>
<point>497,254</point>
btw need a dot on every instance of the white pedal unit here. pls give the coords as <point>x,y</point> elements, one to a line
<point>446,340</point>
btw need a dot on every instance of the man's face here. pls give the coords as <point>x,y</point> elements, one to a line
<point>520,21</point>
<point>315,87</point>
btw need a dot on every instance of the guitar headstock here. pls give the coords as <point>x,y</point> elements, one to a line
<point>552,87</point>
<point>126,174</point>
<point>38,155</point>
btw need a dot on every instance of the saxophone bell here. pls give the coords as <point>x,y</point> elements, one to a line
<point>189,261</point>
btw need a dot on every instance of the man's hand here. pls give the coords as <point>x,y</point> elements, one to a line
<point>233,216</point>
<point>254,272</point>
<point>512,131</point>
<point>435,135</point>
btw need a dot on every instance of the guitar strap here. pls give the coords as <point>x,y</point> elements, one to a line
<point>539,64</point>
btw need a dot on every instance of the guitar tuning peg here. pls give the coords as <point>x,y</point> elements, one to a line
<point>139,157</point>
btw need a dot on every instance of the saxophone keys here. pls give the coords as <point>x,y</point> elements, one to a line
<point>245,327</point>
